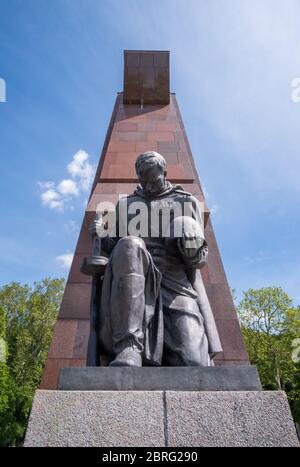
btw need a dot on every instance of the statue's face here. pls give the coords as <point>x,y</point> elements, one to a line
<point>152,180</point>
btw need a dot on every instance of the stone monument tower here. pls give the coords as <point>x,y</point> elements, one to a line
<point>153,406</point>
<point>146,117</point>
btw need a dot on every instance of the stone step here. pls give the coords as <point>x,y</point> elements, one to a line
<point>191,378</point>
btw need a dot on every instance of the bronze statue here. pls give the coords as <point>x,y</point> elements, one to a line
<point>151,307</point>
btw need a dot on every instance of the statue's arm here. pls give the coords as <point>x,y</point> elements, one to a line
<point>109,241</point>
<point>195,257</point>
<point>192,245</point>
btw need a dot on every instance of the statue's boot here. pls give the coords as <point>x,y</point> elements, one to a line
<point>127,357</point>
<point>129,266</point>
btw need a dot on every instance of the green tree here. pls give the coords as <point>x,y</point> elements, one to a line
<point>4,372</point>
<point>270,325</point>
<point>30,314</point>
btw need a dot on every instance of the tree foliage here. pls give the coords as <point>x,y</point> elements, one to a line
<point>270,326</point>
<point>4,372</point>
<point>27,318</point>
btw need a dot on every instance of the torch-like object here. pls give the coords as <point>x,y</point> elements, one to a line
<point>96,263</point>
<point>95,266</point>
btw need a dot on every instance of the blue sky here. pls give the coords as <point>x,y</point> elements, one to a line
<point>232,64</point>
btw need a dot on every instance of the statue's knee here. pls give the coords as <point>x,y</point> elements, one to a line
<point>131,242</point>
<point>192,358</point>
<point>127,250</point>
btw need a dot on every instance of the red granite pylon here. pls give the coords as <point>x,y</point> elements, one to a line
<point>145,117</point>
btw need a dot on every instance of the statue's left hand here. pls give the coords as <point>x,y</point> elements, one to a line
<point>189,244</point>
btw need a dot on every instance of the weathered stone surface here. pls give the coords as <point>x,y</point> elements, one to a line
<point>160,378</point>
<point>158,418</point>
<point>230,419</point>
<point>96,418</point>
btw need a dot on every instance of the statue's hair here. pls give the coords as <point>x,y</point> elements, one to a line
<point>149,159</point>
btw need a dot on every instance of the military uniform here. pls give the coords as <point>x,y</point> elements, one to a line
<point>148,301</point>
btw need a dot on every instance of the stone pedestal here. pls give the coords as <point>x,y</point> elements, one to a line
<point>160,419</point>
<point>193,378</point>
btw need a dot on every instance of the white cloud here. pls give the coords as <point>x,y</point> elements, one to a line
<point>49,195</point>
<point>65,260</point>
<point>77,165</point>
<point>58,205</point>
<point>46,185</point>
<point>68,187</point>
<point>58,196</point>
<point>81,169</point>
<point>52,199</point>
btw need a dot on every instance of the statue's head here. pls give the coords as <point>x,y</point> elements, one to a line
<point>151,171</point>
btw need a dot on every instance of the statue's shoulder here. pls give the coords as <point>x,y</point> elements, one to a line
<point>132,195</point>
<point>137,193</point>
<point>128,196</point>
<point>179,189</point>
<point>122,199</point>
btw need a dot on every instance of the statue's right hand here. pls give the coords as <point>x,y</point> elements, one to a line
<point>96,228</point>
